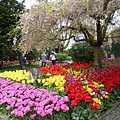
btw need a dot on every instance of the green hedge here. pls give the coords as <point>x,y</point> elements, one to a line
<point>81,52</point>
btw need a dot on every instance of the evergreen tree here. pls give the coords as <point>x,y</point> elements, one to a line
<point>9,16</point>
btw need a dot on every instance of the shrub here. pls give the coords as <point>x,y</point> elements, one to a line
<point>81,52</point>
<point>61,57</point>
<point>116,49</point>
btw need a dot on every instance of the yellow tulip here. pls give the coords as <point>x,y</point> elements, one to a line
<point>23,81</point>
<point>61,89</point>
<point>28,81</point>
<point>39,80</point>
<point>32,81</point>
<point>89,90</point>
<point>43,80</point>
<point>96,84</point>
<point>97,101</point>
<point>48,74</point>
<point>101,85</point>
<point>46,84</point>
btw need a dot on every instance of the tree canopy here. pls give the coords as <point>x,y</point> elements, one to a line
<point>49,21</point>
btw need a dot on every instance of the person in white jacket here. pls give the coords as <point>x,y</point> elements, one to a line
<point>53,58</point>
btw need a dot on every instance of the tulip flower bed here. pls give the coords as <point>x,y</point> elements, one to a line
<point>9,63</point>
<point>22,100</point>
<point>71,91</point>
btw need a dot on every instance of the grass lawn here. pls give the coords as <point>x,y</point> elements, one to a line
<point>112,63</point>
<point>17,67</point>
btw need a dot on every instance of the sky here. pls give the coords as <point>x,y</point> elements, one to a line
<point>28,3</point>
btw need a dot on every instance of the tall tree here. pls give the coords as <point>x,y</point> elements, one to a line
<point>9,16</point>
<point>89,17</point>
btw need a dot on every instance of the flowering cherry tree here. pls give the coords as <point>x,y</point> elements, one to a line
<point>53,22</point>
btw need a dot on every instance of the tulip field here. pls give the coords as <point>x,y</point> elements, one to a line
<point>71,91</point>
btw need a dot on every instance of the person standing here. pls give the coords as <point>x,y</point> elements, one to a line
<point>44,59</point>
<point>22,62</point>
<point>53,58</point>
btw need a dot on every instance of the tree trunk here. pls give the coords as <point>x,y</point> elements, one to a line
<point>1,64</point>
<point>97,57</point>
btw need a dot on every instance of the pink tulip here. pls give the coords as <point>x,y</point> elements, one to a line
<point>43,114</point>
<point>57,108</point>
<point>37,100</point>
<point>33,116</point>
<point>20,114</point>
<point>65,99</point>
<point>49,111</point>
<point>35,109</point>
<point>20,107</point>
<point>49,106</point>
<point>12,105</point>
<point>27,109</point>
<point>8,107</point>
<point>64,108</point>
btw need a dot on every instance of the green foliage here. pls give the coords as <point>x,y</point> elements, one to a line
<point>61,57</point>
<point>34,54</point>
<point>81,52</point>
<point>66,52</point>
<point>83,112</point>
<point>116,49</point>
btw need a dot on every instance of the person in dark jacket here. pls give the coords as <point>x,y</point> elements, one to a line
<point>44,59</point>
<point>22,62</point>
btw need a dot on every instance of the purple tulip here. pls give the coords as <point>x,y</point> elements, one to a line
<point>103,92</point>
